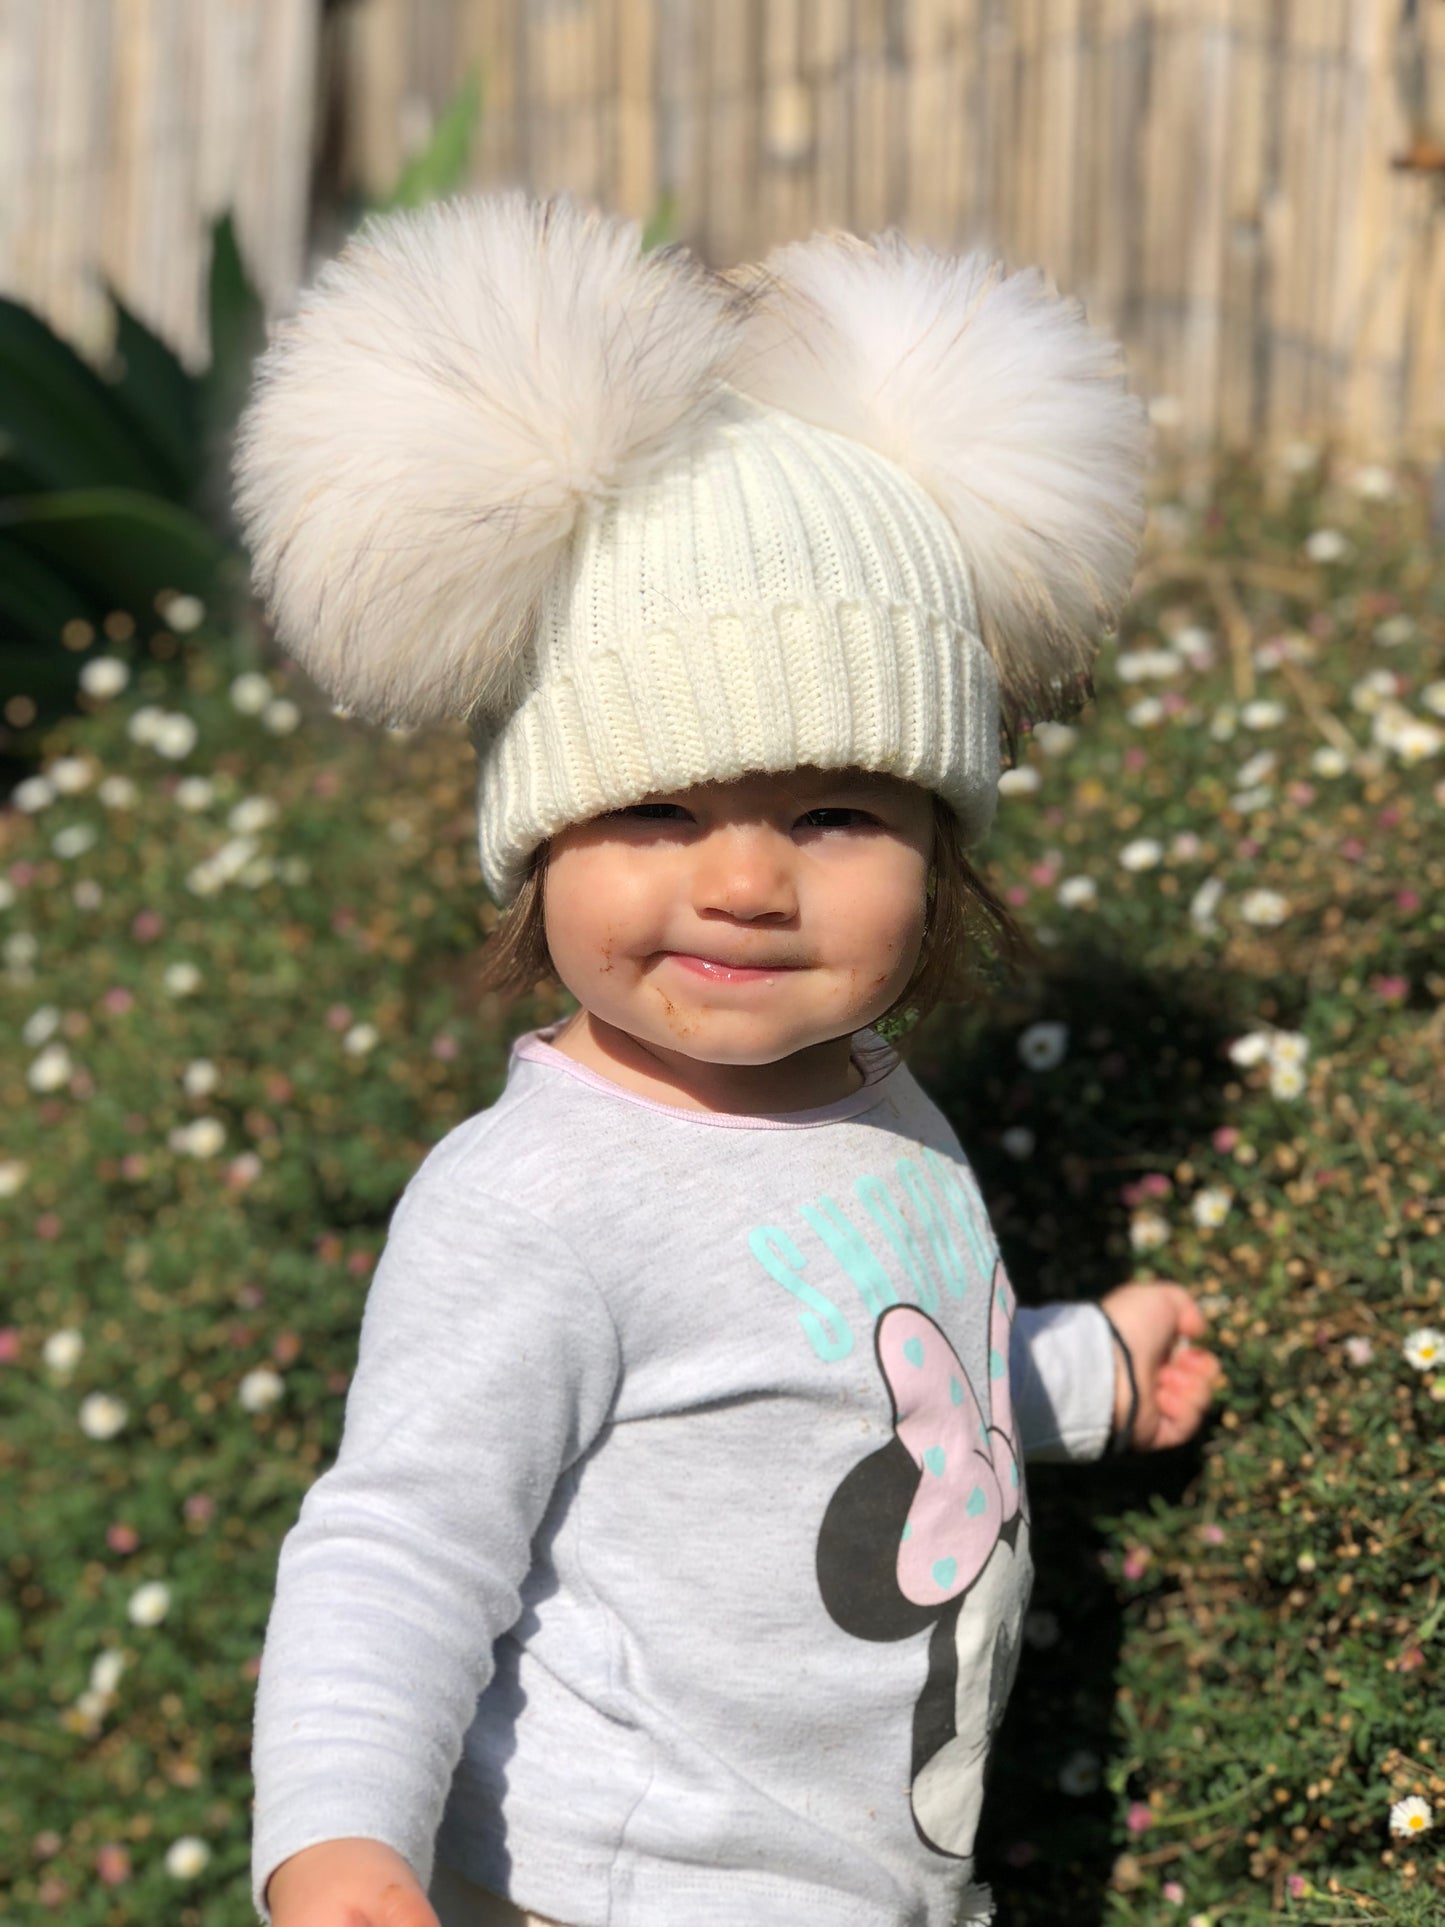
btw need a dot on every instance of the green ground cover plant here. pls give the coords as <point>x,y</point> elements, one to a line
<point>238,937</point>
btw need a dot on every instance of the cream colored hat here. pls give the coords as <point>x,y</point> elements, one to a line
<point>644,526</point>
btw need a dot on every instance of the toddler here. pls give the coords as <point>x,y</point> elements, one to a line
<point>673,1567</point>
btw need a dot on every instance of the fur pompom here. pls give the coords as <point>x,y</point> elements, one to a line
<point>999,400</point>
<point>425,431</point>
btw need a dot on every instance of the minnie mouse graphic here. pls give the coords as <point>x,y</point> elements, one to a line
<point>932,1529</point>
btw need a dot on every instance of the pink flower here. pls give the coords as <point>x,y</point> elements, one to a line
<point>1140,1817</point>
<point>198,1508</point>
<point>1135,758</point>
<point>147,925</point>
<point>118,1000</point>
<point>1212,1535</point>
<point>21,874</point>
<point>445,1046</point>
<point>48,1226</point>
<point>1136,1562</point>
<point>134,1165</point>
<point>338,1017</point>
<point>1246,847</point>
<point>1359,1351</point>
<point>1298,1886</point>
<point>1173,1893</point>
<point>1391,990</point>
<point>112,1863</point>
<point>1043,874</point>
<point>1301,793</point>
<point>360,1263</point>
<point>251,1668</point>
<point>9,1344</point>
<point>1225,1138</point>
<point>1407,900</point>
<point>1017,894</point>
<point>326,783</point>
<point>121,1537</point>
<point>1351,849</point>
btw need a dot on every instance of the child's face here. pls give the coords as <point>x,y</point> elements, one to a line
<point>742,923</point>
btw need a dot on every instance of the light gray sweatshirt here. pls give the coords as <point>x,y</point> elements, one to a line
<point>675,1559</point>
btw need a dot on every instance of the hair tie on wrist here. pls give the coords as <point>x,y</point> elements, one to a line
<point>1119,1441</point>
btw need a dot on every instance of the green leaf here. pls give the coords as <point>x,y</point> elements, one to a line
<point>123,546</point>
<point>661,228</point>
<point>160,396</point>
<point>36,600</point>
<point>238,333</point>
<point>59,422</point>
<point>441,166</point>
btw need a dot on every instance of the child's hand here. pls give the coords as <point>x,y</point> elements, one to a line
<point>347,1883</point>
<point>1176,1380</point>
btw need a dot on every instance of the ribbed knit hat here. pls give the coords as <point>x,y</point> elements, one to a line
<point>644,526</point>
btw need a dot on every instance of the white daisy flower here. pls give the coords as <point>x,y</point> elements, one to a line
<point>195,793</point>
<point>183,613</point>
<point>144,723</point>
<point>87,894</point>
<point>1145,713</point>
<point>71,774</point>
<point>62,1350</point>
<point>52,1069</point>
<point>203,1137</point>
<point>106,1671</point>
<point>1394,631</point>
<point>281,717</point>
<point>1286,1081</point>
<point>102,1416</point>
<point>149,1604</point>
<point>118,793</point>
<point>200,1077</point>
<point>1262,714</point>
<point>1328,761</point>
<point>1223,723</point>
<point>1264,909</point>
<point>1204,903</point>
<point>1142,854</point>
<point>1043,1046</point>
<point>257,872</point>
<point>187,1857</point>
<point>252,813</point>
<point>1210,1207</point>
<point>1057,739</point>
<point>1196,645</point>
<point>74,840</point>
<point>1018,1141</point>
<point>1147,665</point>
<point>250,693</point>
<point>1327,545</point>
<point>1075,892</point>
<point>181,979</point>
<point>1373,482</point>
<point>21,949</point>
<point>33,794</point>
<point>13,1173</point>
<point>1412,1816</point>
<point>1252,1048</point>
<point>1415,740</point>
<point>104,676</point>
<point>1359,1351</point>
<point>260,1390</point>
<point>1248,801</point>
<point>41,1025</point>
<point>1425,1348</point>
<point>1375,687</point>
<point>360,1039</point>
<point>175,737</point>
<point>1022,781</point>
<point>1148,1231</point>
<point>1256,769</point>
<point>1288,1047</point>
<point>1433,697</point>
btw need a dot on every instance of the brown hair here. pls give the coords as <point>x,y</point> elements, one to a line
<point>963,916</point>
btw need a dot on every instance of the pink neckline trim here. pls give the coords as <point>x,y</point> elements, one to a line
<point>876,1059</point>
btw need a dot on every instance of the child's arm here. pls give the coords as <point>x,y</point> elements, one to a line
<point>1176,1381</point>
<point>348,1883</point>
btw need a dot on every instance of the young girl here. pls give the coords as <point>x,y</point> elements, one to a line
<point>673,1567</point>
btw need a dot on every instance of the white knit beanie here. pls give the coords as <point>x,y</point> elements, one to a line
<point>644,526</point>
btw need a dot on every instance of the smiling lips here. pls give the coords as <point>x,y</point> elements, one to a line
<point>716,971</point>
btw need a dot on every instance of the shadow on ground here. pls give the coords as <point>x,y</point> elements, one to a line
<point>1138,1090</point>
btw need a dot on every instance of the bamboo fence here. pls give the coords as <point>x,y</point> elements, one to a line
<point>126,127</point>
<point>1220,181</point>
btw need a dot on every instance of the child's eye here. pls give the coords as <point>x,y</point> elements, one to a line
<point>837,818</point>
<point>650,813</point>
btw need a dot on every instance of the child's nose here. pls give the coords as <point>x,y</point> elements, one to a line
<point>745,871</point>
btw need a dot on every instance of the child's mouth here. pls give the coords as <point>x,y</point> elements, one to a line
<point>718,971</point>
